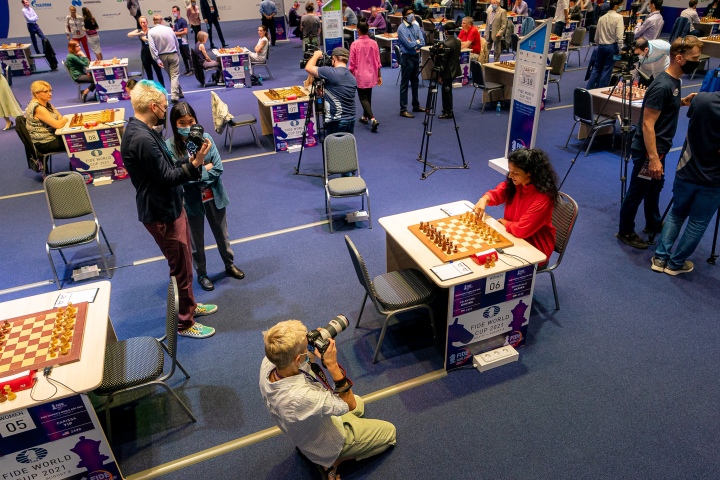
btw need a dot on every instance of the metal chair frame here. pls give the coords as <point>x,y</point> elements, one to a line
<point>44,158</point>
<point>264,64</point>
<point>332,167</point>
<point>590,121</point>
<point>79,84</point>
<point>246,122</point>
<point>564,217</point>
<point>368,285</point>
<point>557,68</point>
<point>82,206</point>
<point>478,80</point>
<point>576,42</point>
<point>168,342</point>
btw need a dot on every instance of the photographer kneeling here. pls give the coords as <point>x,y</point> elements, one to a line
<point>324,424</point>
<point>340,88</point>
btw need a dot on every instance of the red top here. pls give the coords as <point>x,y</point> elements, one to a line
<point>472,36</point>
<point>529,215</point>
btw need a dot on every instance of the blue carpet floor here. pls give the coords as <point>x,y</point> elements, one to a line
<point>617,384</point>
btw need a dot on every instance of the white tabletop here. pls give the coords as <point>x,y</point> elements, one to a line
<point>396,227</point>
<point>122,62</point>
<point>118,122</point>
<point>85,374</point>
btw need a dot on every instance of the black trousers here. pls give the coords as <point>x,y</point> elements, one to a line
<point>84,78</point>
<point>365,96</point>
<point>641,191</point>
<point>270,25</point>
<point>149,65</point>
<point>196,29</point>
<point>214,21</point>
<point>56,145</point>
<point>185,54</point>
<point>447,95</point>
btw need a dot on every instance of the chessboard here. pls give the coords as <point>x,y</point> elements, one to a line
<point>6,46</point>
<point>708,20</point>
<point>459,236</point>
<point>555,38</point>
<point>43,339</point>
<point>638,92</point>
<point>231,51</point>
<point>103,116</point>
<point>284,93</point>
<point>508,65</point>
<point>388,35</point>
<point>713,38</point>
<point>106,63</point>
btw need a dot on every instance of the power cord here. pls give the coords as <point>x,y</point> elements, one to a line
<point>51,381</point>
<point>503,252</point>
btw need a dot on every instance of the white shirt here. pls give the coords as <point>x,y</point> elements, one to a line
<point>560,8</point>
<point>692,15</point>
<point>304,409</point>
<point>161,40</point>
<point>30,15</point>
<point>610,29</point>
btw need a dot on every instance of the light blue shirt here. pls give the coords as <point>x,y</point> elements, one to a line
<point>351,17</point>
<point>410,38</point>
<point>267,7</point>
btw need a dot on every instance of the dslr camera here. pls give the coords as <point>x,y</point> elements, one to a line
<point>195,140</point>
<point>318,338</point>
<point>324,61</point>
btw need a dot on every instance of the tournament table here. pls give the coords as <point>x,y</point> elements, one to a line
<point>285,119</point>
<point>492,72</point>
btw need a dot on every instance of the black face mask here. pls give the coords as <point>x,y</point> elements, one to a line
<point>160,121</point>
<point>689,66</point>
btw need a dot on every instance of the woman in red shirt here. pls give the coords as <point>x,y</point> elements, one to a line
<point>529,194</point>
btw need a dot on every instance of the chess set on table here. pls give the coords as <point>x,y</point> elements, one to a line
<point>43,339</point>
<point>106,63</point>
<point>11,45</point>
<point>708,20</point>
<point>231,50</point>
<point>459,236</point>
<point>89,120</point>
<point>284,93</point>
<point>388,35</point>
<point>504,64</point>
<point>713,38</point>
<point>638,92</point>
<point>555,38</point>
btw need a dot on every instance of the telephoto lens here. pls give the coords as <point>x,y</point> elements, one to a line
<point>318,338</point>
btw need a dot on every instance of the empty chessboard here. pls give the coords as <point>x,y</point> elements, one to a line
<point>459,236</point>
<point>284,93</point>
<point>42,339</point>
<point>103,116</point>
<point>638,92</point>
<point>508,65</point>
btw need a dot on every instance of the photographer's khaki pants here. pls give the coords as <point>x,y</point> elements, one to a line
<point>363,437</point>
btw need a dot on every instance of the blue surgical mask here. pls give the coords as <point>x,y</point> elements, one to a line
<point>410,18</point>
<point>307,360</point>
<point>184,131</point>
<point>494,7</point>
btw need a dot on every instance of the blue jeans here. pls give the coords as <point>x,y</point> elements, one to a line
<point>698,204</point>
<point>641,191</point>
<point>340,126</point>
<point>602,70</point>
<point>409,67</point>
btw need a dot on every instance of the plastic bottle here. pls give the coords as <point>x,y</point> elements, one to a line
<point>498,108</point>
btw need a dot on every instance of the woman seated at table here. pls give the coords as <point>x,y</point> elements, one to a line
<point>529,194</point>
<point>76,63</point>
<point>261,48</point>
<point>42,119</point>
<point>202,56</point>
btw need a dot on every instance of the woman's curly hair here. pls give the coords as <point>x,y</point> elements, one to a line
<point>537,164</point>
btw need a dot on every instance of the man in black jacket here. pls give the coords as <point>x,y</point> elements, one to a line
<point>210,14</point>
<point>158,196</point>
<point>450,69</point>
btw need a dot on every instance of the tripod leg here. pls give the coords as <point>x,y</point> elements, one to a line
<point>651,235</point>
<point>713,255</point>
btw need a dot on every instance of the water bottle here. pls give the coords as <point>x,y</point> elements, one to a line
<point>498,108</point>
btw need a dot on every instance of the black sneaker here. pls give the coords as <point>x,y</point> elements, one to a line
<point>374,125</point>
<point>419,109</point>
<point>657,265</point>
<point>686,268</point>
<point>632,239</point>
<point>445,116</point>
<point>363,120</point>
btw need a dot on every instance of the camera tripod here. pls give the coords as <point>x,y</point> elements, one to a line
<point>430,105</point>
<point>316,105</point>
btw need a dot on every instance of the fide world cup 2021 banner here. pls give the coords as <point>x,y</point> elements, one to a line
<point>111,14</point>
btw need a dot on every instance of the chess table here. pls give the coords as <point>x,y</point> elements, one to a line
<point>110,76</point>
<point>233,62</point>
<point>476,295</point>
<point>601,106</point>
<point>284,119</point>
<point>711,46</point>
<point>709,27</point>
<point>494,72</point>
<point>82,375</point>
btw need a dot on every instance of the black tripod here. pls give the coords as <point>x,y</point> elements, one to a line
<point>428,125</point>
<point>317,102</point>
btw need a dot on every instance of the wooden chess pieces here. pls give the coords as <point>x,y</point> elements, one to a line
<point>9,393</point>
<point>3,398</point>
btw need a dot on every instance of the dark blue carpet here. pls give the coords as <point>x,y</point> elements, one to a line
<point>617,384</point>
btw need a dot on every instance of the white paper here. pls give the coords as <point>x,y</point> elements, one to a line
<point>451,270</point>
<point>452,210</point>
<point>76,297</point>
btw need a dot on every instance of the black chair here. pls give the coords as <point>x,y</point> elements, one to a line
<point>563,219</point>
<point>138,361</point>
<point>480,83</point>
<point>576,42</point>
<point>583,114</point>
<point>515,39</point>
<point>81,85</point>
<point>37,162</point>
<point>680,28</point>
<point>201,72</point>
<point>557,68</point>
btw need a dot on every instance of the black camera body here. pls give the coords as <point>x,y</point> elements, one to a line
<point>195,139</point>
<point>438,51</point>
<point>168,20</point>
<point>324,61</point>
<point>319,338</point>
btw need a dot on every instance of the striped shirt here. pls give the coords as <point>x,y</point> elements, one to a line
<point>304,410</point>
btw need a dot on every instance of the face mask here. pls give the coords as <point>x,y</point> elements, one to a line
<point>175,15</point>
<point>494,7</point>
<point>689,66</point>
<point>184,131</point>
<point>410,18</point>
<point>307,360</point>
<point>160,121</point>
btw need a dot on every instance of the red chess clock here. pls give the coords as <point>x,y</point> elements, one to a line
<point>481,257</point>
<point>19,381</point>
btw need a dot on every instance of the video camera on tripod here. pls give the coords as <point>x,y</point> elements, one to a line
<point>310,49</point>
<point>438,50</point>
<point>627,53</point>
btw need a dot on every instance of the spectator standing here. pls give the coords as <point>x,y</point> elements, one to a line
<point>365,67</point>
<point>562,17</point>
<point>91,28</point>
<point>294,19</point>
<point>411,40</point>
<point>310,26</point>
<point>651,27</point>
<point>33,28</point>
<point>180,27</point>
<point>212,17</point>
<point>496,26</point>
<point>609,35</point>
<point>193,17</point>
<point>268,10</point>
<point>164,49</point>
<point>146,58</point>
<point>75,30</point>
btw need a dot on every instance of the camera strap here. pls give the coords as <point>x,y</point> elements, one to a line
<point>320,374</point>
